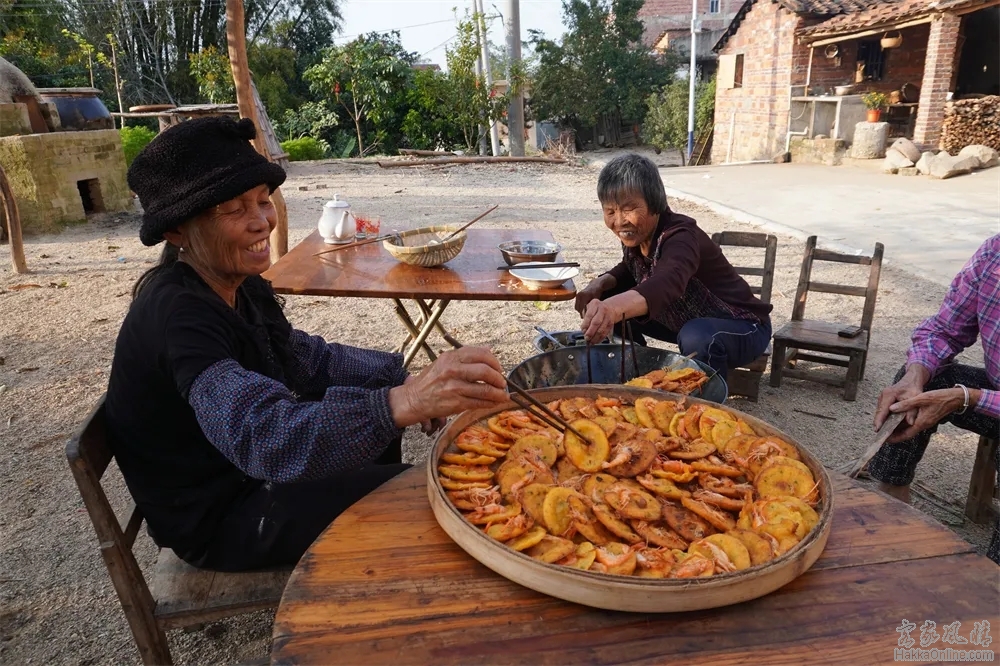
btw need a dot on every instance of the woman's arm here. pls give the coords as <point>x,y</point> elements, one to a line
<point>259,426</point>
<point>320,365</point>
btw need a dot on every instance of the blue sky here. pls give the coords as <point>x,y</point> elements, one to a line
<point>361,16</point>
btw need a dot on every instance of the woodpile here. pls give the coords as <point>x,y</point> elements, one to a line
<point>971,122</point>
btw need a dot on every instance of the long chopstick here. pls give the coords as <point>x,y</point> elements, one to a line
<point>554,264</point>
<point>548,412</point>
<point>631,342</point>
<point>358,244</point>
<point>623,351</point>
<point>679,361</point>
<point>468,224</point>
<point>590,367</point>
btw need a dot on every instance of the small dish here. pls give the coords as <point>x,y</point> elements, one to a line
<point>536,275</point>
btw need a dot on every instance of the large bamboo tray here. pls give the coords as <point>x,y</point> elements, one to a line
<point>627,593</point>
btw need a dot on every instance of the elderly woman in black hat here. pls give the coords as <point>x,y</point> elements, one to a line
<point>239,436</point>
<point>673,282</point>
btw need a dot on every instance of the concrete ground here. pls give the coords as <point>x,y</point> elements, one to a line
<point>851,207</point>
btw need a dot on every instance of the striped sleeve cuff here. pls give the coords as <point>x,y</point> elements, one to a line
<point>989,403</point>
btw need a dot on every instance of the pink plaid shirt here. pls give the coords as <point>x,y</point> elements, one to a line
<point>970,309</point>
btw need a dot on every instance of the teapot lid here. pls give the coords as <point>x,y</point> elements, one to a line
<point>337,202</point>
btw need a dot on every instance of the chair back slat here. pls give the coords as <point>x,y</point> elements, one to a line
<point>755,240</point>
<point>868,314</point>
<point>827,255</point>
<point>846,290</point>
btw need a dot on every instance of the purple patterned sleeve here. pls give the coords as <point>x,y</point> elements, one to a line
<point>955,327</point>
<point>989,403</point>
<point>320,365</point>
<point>260,427</point>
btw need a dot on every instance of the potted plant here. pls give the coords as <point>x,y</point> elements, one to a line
<point>874,102</point>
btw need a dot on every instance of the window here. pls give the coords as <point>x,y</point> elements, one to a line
<point>90,195</point>
<point>871,61</point>
<point>713,6</point>
<point>730,71</point>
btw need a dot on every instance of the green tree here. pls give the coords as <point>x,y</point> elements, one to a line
<point>666,123</point>
<point>367,78</point>
<point>211,70</point>
<point>600,66</point>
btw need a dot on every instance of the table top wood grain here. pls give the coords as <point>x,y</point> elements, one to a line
<point>370,271</point>
<point>385,585</point>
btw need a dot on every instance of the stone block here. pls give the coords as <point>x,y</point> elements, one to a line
<point>14,120</point>
<point>986,156</point>
<point>907,171</point>
<point>944,165</point>
<point>869,140</point>
<point>924,163</point>
<point>907,148</point>
<point>895,160</point>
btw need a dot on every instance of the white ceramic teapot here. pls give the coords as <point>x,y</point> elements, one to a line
<point>336,224</point>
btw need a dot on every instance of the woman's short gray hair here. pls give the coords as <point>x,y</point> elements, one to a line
<point>630,174</point>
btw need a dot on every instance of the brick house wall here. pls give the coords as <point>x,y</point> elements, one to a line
<point>902,65</point>
<point>674,17</point>
<point>766,38</point>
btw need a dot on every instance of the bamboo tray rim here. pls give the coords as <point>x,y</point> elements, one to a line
<point>807,550</point>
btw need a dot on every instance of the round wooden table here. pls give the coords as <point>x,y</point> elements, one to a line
<point>385,585</point>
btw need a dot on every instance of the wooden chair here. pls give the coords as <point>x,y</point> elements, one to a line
<point>182,595</point>
<point>820,336</point>
<point>745,381</point>
<point>982,505</point>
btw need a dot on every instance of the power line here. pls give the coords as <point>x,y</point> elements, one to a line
<point>444,43</point>
<point>405,27</point>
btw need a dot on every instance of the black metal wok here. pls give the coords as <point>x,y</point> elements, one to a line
<point>568,366</point>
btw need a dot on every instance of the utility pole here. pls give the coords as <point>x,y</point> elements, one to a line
<point>691,78</point>
<point>515,112</point>
<point>479,77</point>
<point>118,83</point>
<point>484,41</point>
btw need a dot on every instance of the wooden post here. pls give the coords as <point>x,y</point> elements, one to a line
<point>13,225</point>
<point>236,38</point>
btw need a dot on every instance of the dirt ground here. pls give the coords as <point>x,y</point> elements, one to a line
<point>57,333</point>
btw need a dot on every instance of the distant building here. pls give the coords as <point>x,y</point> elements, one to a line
<point>668,25</point>
<point>781,62</point>
<point>427,65</point>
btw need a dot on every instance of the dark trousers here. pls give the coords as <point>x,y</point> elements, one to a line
<point>896,464</point>
<point>720,343</point>
<point>273,525</point>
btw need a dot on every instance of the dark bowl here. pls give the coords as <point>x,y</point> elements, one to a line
<point>568,367</point>
<point>567,338</point>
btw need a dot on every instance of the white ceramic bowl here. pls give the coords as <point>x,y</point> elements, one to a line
<point>536,275</point>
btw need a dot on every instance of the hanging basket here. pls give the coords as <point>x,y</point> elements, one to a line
<point>892,42</point>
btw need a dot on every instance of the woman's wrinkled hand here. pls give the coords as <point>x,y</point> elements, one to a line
<point>910,385</point>
<point>927,410</point>
<point>587,295</point>
<point>599,321</point>
<point>467,378</point>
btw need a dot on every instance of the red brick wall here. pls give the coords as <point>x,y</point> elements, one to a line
<point>939,72</point>
<point>660,15</point>
<point>902,65</point>
<point>766,38</point>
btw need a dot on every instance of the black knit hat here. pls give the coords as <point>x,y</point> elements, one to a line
<point>194,166</point>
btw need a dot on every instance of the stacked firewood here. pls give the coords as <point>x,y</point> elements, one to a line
<point>971,122</point>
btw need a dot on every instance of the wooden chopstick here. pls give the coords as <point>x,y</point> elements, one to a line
<point>554,264</point>
<point>622,376</point>
<point>528,407</point>
<point>358,244</point>
<point>631,343</point>
<point>548,412</point>
<point>468,224</point>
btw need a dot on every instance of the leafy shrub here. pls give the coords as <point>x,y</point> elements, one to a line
<point>305,148</point>
<point>666,122</point>
<point>134,139</point>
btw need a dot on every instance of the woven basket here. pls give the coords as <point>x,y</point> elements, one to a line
<point>417,250</point>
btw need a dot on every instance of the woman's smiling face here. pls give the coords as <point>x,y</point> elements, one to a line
<point>630,219</point>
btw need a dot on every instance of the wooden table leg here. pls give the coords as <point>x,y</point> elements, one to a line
<point>426,309</point>
<point>413,328</point>
<point>425,330</point>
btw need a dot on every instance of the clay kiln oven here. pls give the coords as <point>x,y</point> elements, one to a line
<point>58,177</point>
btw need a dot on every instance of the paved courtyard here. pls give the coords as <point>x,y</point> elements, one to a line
<point>852,207</point>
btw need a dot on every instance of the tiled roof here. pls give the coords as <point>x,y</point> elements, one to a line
<point>884,13</point>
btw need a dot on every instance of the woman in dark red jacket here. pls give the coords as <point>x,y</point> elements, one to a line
<point>673,282</point>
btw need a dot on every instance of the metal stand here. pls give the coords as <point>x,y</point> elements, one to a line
<point>420,327</point>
